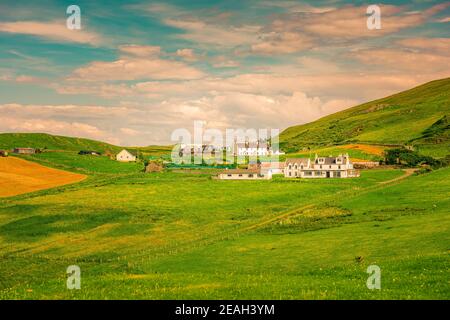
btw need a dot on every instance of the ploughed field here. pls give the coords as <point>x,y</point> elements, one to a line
<point>19,176</point>
<point>184,236</point>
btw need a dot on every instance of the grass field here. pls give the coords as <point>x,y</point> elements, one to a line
<point>177,235</point>
<point>19,176</point>
<point>88,164</point>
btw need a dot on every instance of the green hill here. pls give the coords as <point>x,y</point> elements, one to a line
<point>418,116</point>
<point>47,141</point>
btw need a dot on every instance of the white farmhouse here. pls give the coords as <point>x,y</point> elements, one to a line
<point>321,167</point>
<point>125,156</point>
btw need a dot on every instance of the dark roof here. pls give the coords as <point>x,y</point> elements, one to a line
<point>329,160</point>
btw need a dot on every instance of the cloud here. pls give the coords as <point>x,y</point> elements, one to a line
<point>401,59</point>
<point>437,45</point>
<point>304,29</point>
<point>136,67</point>
<point>292,6</point>
<point>187,54</point>
<point>205,32</point>
<point>223,61</point>
<point>140,50</point>
<point>443,20</point>
<point>54,31</point>
<point>129,131</point>
<point>282,42</point>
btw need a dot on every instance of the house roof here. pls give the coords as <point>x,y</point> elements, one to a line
<point>297,160</point>
<point>131,153</point>
<point>240,171</point>
<point>327,160</point>
<point>331,160</point>
<point>279,165</point>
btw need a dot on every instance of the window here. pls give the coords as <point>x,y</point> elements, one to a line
<point>290,173</point>
<point>250,175</point>
<point>330,166</point>
<point>228,175</point>
<point>339,166</point>
<point>295,166</point>
<point>320,166</point>
<point>290,166</point>
<point>240,175</point>
<point>301,167</point>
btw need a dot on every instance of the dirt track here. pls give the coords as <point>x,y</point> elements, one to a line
<point>19,176</point>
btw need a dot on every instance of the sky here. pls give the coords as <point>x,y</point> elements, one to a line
<point>138,70</point>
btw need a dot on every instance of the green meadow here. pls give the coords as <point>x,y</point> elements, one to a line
<point>189,236</point>
<point>87,164</point>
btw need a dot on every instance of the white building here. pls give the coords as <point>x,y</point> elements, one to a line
<point>272,167</point>
<point>243,174</point>
<point>321,167</point>
<point>125,156</point>
<point>251,149</point>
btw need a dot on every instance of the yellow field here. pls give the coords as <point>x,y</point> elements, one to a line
<point>19,176</point>
<point>370,149</point>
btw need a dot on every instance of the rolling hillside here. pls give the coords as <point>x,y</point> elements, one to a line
<point>47,141</point>
<point>419,116</point>
<point>61,143</point>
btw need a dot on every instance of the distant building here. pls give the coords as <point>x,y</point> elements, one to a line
<point>89,152</point>
<point>24,150</point>
<point>254,149</point>
<point>251,149</point>
<point>243,174</point>
<point>125,156</point>
<point>320,167</point>
<point>3,153</point>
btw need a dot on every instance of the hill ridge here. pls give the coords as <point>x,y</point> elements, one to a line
<point>406,117</point>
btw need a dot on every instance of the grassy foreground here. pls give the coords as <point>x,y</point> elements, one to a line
<point>181,236</point>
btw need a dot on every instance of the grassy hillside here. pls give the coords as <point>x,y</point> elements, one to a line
<point>418,116</point>
<point>73,145</point>
<point>47,141</point>
<point>176,236</point>
<point>85,164</point>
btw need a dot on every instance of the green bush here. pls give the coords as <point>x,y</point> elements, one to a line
<point>411,158</point>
